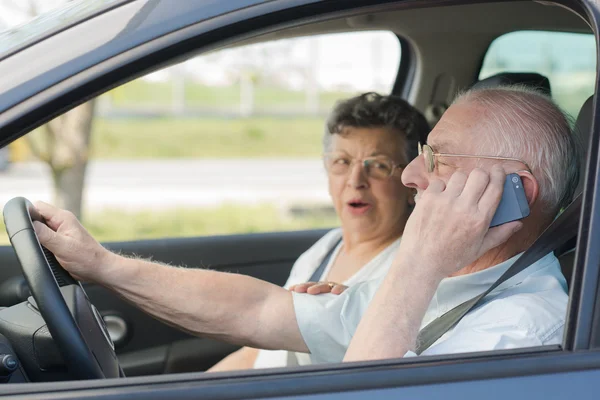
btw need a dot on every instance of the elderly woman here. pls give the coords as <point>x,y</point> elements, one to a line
<point>368,140</point>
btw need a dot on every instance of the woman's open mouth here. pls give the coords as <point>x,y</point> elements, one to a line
<point>358,207</point>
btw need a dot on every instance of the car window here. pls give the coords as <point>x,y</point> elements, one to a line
<point>227,142</point>
<point>567,59</point>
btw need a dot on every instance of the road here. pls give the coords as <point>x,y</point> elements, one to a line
<point>188,183</point>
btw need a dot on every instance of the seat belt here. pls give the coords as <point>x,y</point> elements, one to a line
<point>292,360</point>
<point>562,229</point>
<point>316,276</point>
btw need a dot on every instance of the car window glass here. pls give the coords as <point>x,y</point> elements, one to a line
<point>227,142</point>
<point>567,59</point>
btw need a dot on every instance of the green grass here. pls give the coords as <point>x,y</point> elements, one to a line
<point>218,138</point>
<point>140,93</point>
<point>569,90</point>
<point>253,137</point>
<point>200,138</point>
<point>115,225</point>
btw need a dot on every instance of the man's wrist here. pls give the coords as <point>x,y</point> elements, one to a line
<point>114,268</point>
<point>418,269</point>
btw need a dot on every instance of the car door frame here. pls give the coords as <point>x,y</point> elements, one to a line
<point>583,333</point>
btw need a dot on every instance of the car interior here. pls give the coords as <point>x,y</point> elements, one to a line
<point>443,49</point>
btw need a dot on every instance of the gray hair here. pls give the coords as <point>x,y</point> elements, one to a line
<point>528,125</point>
<point>372,110</point>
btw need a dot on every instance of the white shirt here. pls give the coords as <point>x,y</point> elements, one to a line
<point>527,310</point>
<point>302,271</point>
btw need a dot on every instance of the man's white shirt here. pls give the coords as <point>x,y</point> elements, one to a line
<point>527,310</point>
<point>303,269</point>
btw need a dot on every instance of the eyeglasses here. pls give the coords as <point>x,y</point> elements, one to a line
<point>429,157</point>
<point>380,167</point>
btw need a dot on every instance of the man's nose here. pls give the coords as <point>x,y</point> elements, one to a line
<point>357,177</point>
<point>415,175</point>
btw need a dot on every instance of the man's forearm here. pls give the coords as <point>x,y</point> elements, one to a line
<point>391,324</point>
<point>236,308</point>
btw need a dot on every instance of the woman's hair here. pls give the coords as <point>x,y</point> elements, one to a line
<point>372,110</point>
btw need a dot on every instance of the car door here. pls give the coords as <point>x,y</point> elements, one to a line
<point>148,167</point>
<point>517,373</point>
<point>146,346</point>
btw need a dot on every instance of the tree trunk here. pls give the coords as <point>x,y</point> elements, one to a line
<point>69,140</point>
<point>66,147</point>
<point>68,188</point>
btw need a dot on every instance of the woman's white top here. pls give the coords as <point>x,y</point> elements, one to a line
<point>301,272</point>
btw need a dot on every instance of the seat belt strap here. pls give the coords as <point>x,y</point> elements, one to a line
<point>292,360</point>
<point>562,229</point>
<point>316,276</point>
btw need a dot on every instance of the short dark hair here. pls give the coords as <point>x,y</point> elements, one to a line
<point>372,110</point>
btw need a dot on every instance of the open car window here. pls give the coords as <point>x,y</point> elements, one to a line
<point>225,143</point>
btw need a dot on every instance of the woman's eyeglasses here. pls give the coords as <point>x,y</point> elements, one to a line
<point>380,167</point>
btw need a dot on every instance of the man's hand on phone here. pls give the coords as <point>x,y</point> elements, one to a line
<point>449,226</point>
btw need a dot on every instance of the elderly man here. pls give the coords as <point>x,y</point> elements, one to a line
<point>447,254</point>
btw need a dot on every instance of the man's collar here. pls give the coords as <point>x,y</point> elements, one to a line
<point>458,289</point>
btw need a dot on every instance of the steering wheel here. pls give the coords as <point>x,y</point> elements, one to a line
<point>75,324</point>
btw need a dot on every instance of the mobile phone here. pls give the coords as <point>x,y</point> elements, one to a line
<point>513,205</point>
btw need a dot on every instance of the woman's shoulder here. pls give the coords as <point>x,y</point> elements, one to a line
<point>324,244</point>
<point>305,264</point>
<point>331,237</point>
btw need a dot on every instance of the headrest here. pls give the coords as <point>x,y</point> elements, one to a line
<point>583,130</point>
<point>529,79</point>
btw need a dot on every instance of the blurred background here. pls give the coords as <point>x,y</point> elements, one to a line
<point>230,141</point>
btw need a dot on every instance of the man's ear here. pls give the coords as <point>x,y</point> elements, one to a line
<point>530,185</point>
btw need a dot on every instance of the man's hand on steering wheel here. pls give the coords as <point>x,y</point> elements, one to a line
<point>76,250</point>
<point>76,326</point>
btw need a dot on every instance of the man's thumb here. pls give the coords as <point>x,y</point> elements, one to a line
<point>46,235</point>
